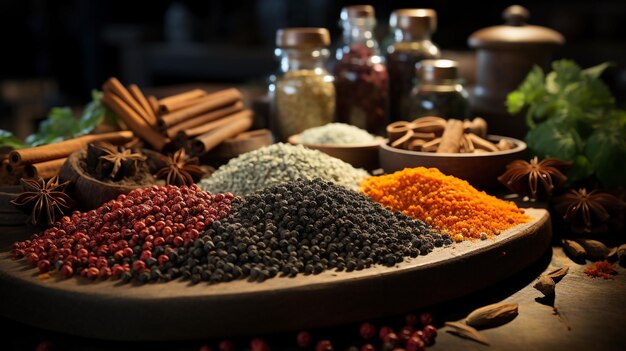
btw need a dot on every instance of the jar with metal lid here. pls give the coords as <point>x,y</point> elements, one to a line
<point>302,93</point>
<point>412,30</point>
<point>361,79</point>
<point>439,91</point>
<point>505,54</point>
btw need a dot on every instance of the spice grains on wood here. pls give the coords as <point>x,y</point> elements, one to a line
<point>445,202</point>
<point>278,164</point>
<point>303,227</point>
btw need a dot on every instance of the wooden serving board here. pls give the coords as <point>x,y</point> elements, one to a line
<point>178,310</point>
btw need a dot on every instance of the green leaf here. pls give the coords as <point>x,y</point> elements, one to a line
<point>554,139</point>
<point>94,114</point>
<point>531,89</point>
<point>566,73</point>
<point>7,139</point>
<point>515,101</point>
<point>606,150</point>
<point>596,71</point>
<point>61,124</point>
<point>581,169</point>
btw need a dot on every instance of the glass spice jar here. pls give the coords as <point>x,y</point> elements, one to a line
<point>302,93</point>
<point>412,29</point>
<point>361,79</point>
<point>439,91</point>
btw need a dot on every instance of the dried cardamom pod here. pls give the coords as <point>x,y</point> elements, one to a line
<point>621,254</point>
<point>594,248</point>
<point>558,273</point>
<point>574,249</point>
<point>465,331</point>
<point>546,285</point>
<point>492,315</point>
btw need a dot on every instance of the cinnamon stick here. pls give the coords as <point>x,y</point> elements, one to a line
<point>44,170</point>
<point>208,127</point>
<point>134,121</point>
<point>150,115</point>
<point>204,119</point>
<point>113,85</point>
<point>451,137</point>
<point>477,126</point>
<point>400,142</point>
<point>208,141</point>
<point>65,148</point>
<point>154,104</point>
<point>178,101</point>
<point>208,103</point>
<point>483,144</point>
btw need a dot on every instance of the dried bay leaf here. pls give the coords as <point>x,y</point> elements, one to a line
<point>465,331</point>
<point>492,315</point>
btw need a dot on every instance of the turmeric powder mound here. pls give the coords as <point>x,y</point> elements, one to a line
<point>446,202</point>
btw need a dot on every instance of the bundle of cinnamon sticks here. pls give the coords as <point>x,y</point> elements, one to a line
<point>435,134</point>
<point>45,161</point>
<point>195,118</point>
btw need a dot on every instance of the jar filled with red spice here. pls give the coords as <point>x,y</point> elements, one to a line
<point>412,30</point>
<point>361,79</point>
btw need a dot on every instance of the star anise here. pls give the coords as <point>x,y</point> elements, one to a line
<point>180,169</point>
<point>45,200</point>
<point>119,159</point>
<point>590,212</point>
<point>535,179</point>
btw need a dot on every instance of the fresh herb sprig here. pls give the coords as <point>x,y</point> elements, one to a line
<point>572,115</point>
<point>62,124</point>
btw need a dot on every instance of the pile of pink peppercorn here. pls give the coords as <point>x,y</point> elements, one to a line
<point>129,237</point>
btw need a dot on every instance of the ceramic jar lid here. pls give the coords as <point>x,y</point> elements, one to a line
<point>437,70</point>
<point>356,11</point>
<point>415,21</point>
<point>515,32</point>
<point>302,37</point>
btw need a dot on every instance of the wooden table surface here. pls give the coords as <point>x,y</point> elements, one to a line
<point>591,316</point>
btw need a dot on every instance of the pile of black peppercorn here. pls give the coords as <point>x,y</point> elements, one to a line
<point>306,226</point>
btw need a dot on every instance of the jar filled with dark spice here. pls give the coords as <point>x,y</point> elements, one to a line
<point>302,93</point>
<point>412,30</point>
<point>439,91</point>
<point>361,78</point>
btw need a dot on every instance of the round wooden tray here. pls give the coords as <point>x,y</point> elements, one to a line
<point>177,310</point>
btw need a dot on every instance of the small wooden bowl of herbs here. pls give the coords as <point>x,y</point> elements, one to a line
<point>459,148</point>
<point>345,142</point>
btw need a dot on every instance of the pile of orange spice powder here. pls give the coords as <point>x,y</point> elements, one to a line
<point>448,203</point>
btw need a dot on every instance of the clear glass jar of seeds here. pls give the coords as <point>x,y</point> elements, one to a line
<point>438,91</point>
<point>302,93</point>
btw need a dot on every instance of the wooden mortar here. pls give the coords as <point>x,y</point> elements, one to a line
<point>89,192</point>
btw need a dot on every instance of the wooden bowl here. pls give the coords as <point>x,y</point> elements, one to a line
<point>358,155</point>
<point>89,192</point>
<point>9,214</point>
<point>480,170</point>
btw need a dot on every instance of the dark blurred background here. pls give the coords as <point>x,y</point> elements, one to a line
<point>56,52</point>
